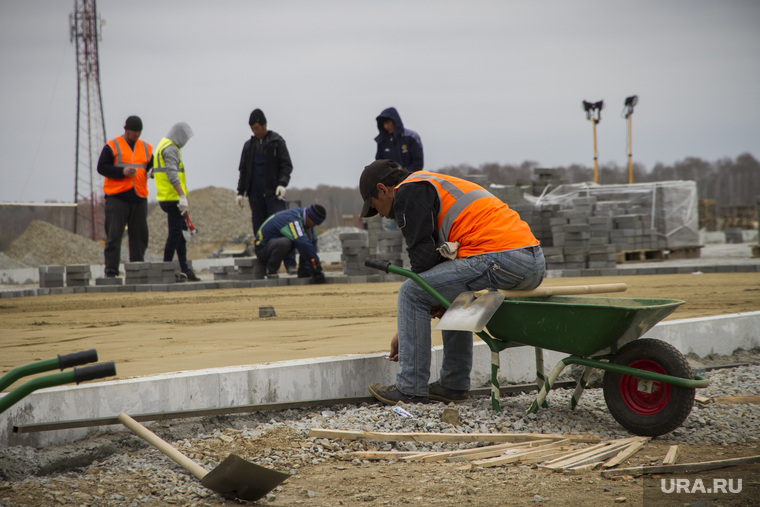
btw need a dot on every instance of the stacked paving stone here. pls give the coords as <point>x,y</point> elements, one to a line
<point>51,276</point>
<point>137,273</point>
<point>355,249</point>
<point>78,275</point>
<point>227,272</point>
<point>248,268</point>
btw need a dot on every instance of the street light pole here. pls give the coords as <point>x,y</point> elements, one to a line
<point>630,102</point>
<point>594,114</point>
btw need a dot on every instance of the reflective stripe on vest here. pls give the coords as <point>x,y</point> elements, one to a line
<point>124,156</point>
<point>474,217</point>
<point>165,191</point>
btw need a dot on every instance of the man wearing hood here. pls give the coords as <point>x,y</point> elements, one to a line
<point>397,143</point>
<point>171,192</point>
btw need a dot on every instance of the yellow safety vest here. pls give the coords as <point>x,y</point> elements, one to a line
<point>165,191</point>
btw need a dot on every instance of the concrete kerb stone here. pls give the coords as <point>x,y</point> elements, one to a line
<point>328,377</point>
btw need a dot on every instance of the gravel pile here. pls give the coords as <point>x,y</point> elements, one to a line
<point>284,443</point>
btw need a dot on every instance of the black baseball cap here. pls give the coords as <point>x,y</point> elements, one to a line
<point>373,174</point>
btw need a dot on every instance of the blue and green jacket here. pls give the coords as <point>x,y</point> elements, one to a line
<point>291,224</point>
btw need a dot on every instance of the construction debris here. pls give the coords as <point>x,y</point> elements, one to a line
<point>683,468</point>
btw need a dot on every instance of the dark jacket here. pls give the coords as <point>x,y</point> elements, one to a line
<point>403,146</point>
<point>277,165</point>
<point>415,210</point>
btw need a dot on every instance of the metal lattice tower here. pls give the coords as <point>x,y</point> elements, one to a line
<point>85,27</point>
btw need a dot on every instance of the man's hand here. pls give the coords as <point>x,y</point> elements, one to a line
<point>393,356</point>
<point>183,204</point>
<point>129,171</point>
<point>280,192</point>
<point>437,311</point>
<point>239,201</point>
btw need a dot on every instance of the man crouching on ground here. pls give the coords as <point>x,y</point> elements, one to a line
<point>459,238</point>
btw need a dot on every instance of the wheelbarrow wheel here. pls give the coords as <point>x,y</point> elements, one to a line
<point>641,408</point>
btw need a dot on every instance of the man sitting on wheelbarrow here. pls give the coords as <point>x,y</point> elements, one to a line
<point>459,238</point>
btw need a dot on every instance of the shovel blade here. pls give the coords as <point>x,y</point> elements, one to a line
<point>238,478</point>
<point>471,311</point>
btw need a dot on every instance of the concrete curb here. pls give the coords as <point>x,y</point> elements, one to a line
<point>330,377</point>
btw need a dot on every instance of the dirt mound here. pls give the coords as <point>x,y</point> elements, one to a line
<point>214,213</point>
<point>45,244</point>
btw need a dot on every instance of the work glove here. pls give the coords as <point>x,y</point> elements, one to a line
<point>318,277</point>
<point>183,204</point>
<point>280,192</point>
<point>239,201</point>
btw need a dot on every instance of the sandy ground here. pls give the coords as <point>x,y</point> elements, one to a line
<point>150,333</point>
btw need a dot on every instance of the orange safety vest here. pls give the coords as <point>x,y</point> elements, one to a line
<point>124,156</point>
<point>471,215</point>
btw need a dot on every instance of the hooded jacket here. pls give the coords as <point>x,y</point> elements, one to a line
<point>277,165</point>
<point>169,170</point>
<point>403,146</point>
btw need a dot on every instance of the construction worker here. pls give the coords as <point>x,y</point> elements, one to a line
<point>265,169</point>
<point>171,192</point>
<point>460,238</point>
<point>124,163</point>
<point>287,231</point>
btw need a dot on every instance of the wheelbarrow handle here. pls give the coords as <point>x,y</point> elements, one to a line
<point>377,264</point>
<point>77,358</point>
<point>95,371</point>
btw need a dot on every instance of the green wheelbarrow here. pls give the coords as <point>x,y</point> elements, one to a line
<point>648,385</point>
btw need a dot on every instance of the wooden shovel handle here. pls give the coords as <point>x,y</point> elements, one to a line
<point>163,446</point>
<point>566,290</point>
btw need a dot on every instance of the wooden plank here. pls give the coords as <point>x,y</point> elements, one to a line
<point>606,449</point>
<point>481,452</point>
<point>375,455</point>
<point>704,400</point>
<point>671,456</point>
<point>516,456</point>
<point>626,453</point>
<point>443,437</point>
<point>682,468</point>
<point>738,400</point>
<point>581,469</point>
<point>566,290</point>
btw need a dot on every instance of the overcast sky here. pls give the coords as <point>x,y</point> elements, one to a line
<point>481,81</point>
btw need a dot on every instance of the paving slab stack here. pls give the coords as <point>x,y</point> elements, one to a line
<point>137,273</point>
<point>586,226</point>
<point>249,268</point>
<point>78,275</point>
<point>354,250</point>
<point>226,272</point>
<point>52,276</point>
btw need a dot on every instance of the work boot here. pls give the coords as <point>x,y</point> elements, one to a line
<point>180,277</point>
<point>273,276</point>
<point>291,270</point>
<point>192,277</point>
<point>390,395</point>
<point>437,392</point>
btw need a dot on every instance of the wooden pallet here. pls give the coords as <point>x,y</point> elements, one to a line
<point>625,256</point>
<point>684,252</point>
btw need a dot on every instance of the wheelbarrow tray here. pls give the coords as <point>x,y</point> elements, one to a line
<point>581,326</point>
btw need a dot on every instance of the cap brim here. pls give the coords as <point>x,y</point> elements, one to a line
<point>367,209</point>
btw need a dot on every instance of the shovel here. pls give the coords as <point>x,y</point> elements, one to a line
<point>233,478</point>
<point>471,311</point>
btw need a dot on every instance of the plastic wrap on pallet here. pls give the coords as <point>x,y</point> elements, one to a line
<point>669,207</point>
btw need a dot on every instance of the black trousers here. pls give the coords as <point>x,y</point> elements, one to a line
<point>274,252</point>
<point>262,207</point>
<point>175,240</point>
<point>121,214</point>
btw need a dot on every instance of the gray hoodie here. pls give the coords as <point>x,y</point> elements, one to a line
<point>179,134</point>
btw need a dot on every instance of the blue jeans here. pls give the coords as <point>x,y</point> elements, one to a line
<point>514,269</point>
